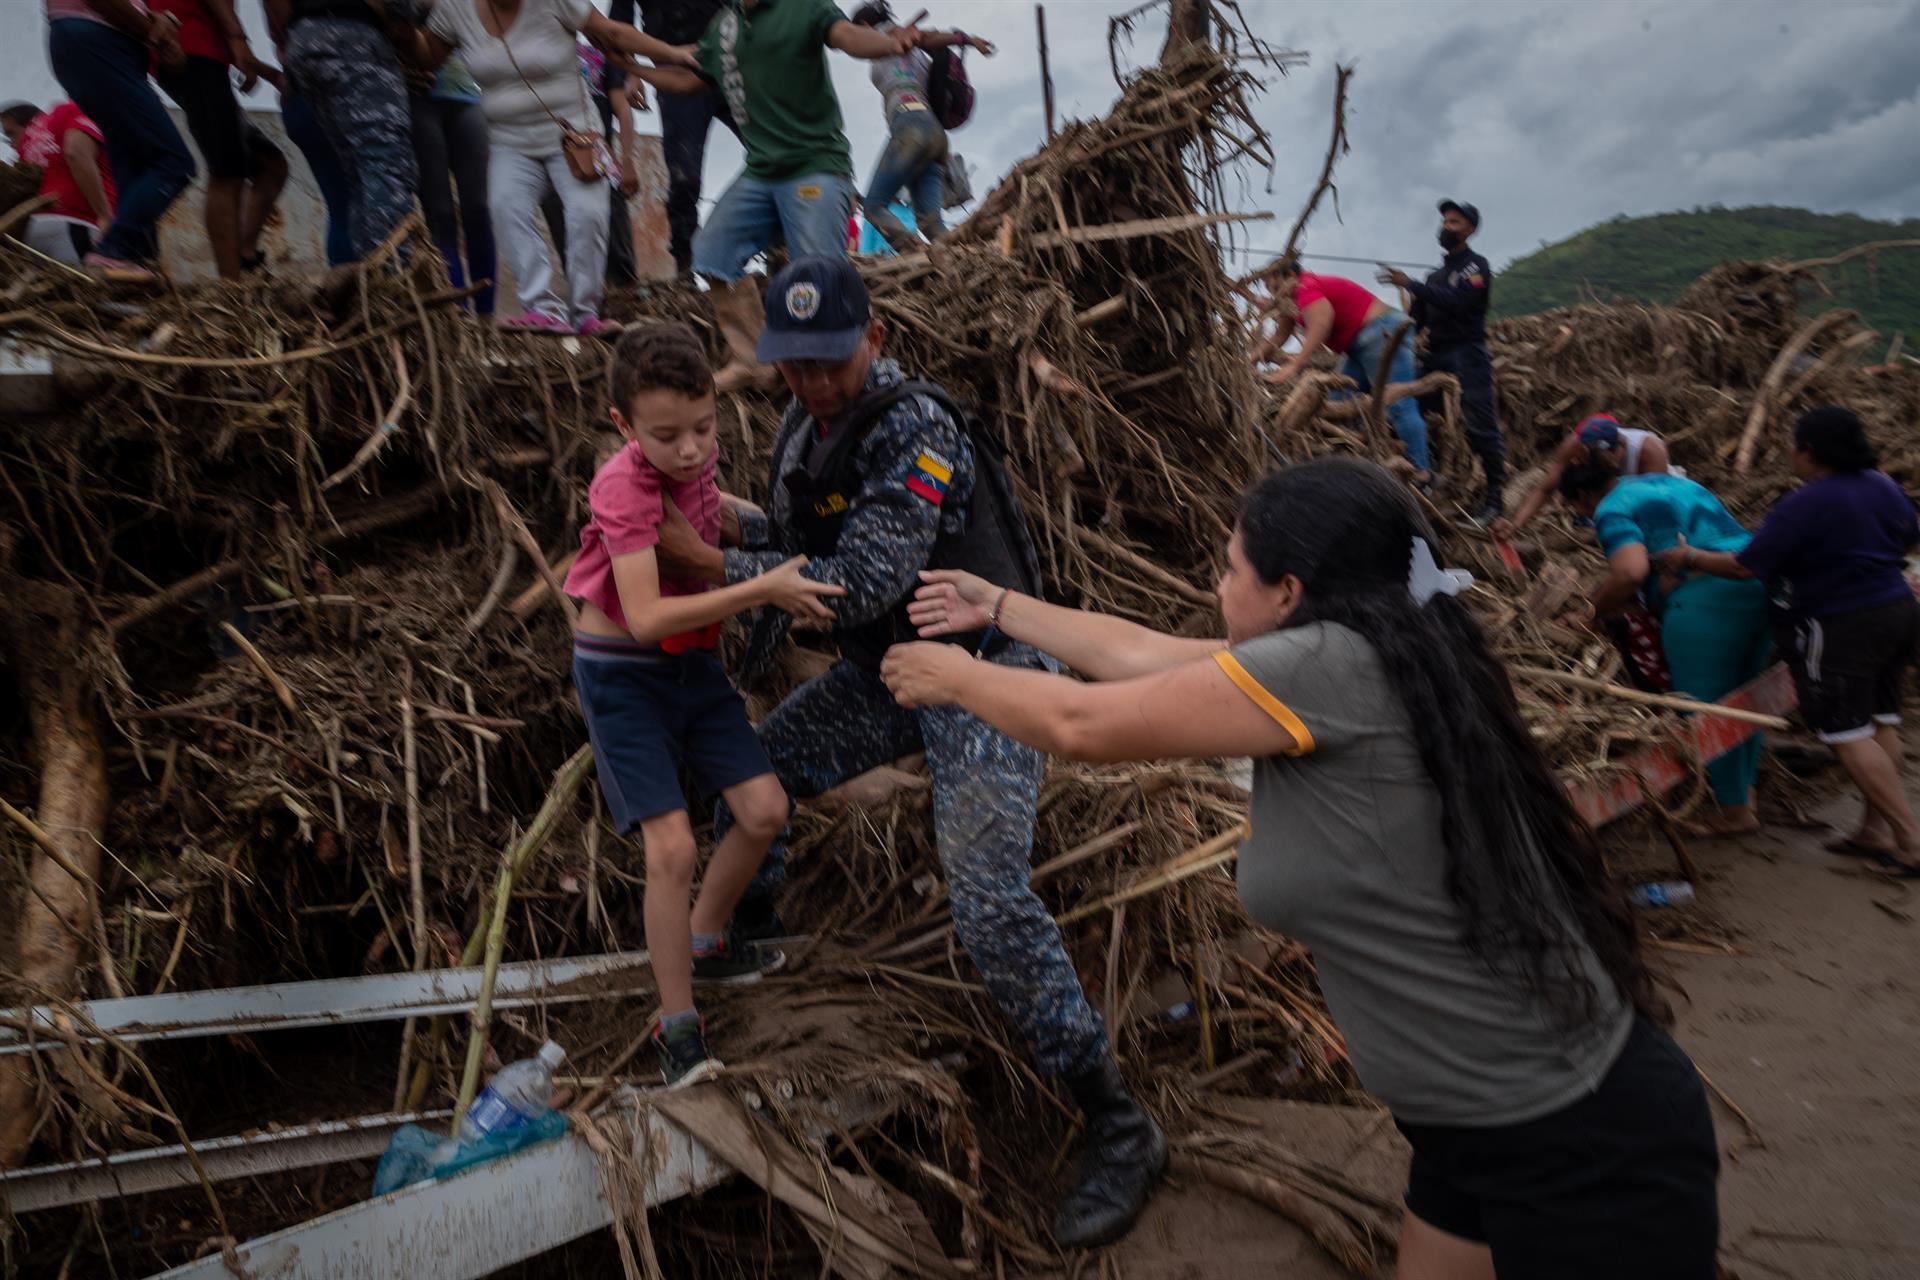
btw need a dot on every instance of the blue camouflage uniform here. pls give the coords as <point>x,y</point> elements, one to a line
<point>916,470</point>
<point>345,69</point>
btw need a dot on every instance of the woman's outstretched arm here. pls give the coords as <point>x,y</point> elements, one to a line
<point>1097,646</point>
<point>1194,710</point>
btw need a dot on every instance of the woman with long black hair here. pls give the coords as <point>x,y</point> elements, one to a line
<point>1485,972</point>
<point>1834,552</point>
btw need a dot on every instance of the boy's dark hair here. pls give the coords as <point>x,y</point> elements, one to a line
<point>659,355</point>
<point>20,113</point>
<point>873,14</point>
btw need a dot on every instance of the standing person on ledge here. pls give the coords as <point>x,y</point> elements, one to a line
<point>1485,971</point>
<point>1450,307</point>
<point>770,62</point>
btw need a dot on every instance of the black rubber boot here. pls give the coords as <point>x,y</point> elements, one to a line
<point>1125,1155</point>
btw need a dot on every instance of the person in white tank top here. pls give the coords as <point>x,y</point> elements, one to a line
<point>1599,437</point>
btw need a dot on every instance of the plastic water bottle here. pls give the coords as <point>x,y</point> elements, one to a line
<point>520,1093</point>
<point>1663,893</point>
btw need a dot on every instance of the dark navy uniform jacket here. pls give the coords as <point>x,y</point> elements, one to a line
<point>1452,305</point>
<point>917,469</point>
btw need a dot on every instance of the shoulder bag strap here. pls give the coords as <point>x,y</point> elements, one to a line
<point>507,44</point>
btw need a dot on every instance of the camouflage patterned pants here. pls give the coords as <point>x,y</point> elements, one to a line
<point>986,788</point>
<point>351,78</point>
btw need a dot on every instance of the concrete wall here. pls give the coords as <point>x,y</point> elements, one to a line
<point>296,237</point>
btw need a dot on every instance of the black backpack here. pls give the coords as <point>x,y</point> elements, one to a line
<point>949,92</point>
<point>994,496</point>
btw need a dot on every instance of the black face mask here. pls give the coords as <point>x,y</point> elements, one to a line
<point>1451,240</point>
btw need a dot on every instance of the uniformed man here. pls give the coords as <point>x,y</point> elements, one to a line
<point>1451,309</point>
<point>876,478</point>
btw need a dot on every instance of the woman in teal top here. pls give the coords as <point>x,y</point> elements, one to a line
<point>1716,634</point>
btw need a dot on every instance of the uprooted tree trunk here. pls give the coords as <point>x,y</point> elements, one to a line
<point>56,913</point>
<point>1186,27</point>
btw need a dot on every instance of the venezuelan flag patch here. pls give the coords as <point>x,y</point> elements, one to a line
<point>929,477</point>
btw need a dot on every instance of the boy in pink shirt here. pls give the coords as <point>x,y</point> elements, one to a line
<point>652,690</point>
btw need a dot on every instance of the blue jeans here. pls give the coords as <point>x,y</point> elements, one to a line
<point>105,72</point>
<point>915,151</point>
<point>685,120</point>
<point>812,209</point>
<point>1363,359</point>
<point>336,192</point>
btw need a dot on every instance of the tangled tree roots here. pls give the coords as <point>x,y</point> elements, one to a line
<point>310,540</point>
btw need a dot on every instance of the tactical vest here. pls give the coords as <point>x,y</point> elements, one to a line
<point>995,543</point>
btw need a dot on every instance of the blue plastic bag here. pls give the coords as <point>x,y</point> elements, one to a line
<point>411,1154</point>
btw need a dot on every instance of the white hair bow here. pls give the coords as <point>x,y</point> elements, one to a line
<point>1426,579</point>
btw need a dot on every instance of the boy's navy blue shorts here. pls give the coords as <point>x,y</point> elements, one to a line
<point>651,714</point>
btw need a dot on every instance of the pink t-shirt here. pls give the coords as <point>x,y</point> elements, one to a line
<point>627,499</point>
<point>1351,302</point>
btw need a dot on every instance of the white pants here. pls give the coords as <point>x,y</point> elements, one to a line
<point>52,234</point>
<point>516,184</point>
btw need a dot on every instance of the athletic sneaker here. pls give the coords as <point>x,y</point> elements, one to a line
<point>684,1059</point>
<point>737,961</point>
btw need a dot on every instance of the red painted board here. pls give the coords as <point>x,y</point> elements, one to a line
<point>1656,770</point>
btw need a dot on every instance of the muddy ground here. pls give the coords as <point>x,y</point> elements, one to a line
<point>1813,1029</point>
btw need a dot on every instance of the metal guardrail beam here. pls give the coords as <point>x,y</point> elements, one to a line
<point>492,1216</point>
<point>377,997</point>
<point>165,1168</point>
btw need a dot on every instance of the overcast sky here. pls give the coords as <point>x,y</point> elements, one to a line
<point>1551,115</point>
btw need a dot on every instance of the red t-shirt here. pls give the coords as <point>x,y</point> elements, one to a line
<point>627,500</point>
<point>199,34</point>
<point>1351,302</point>
<point>44,144</point>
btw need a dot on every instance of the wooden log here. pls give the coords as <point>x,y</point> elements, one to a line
<point>1672,701</point>
<point>1138,229</point>
<point>1763,402</point>
<point>57,914</point>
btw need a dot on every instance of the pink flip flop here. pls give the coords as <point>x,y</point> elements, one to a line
<point>534,322</point>
<point>595,327</point>
<point>118,270</point>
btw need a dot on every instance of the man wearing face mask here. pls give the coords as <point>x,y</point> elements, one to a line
<point>1451,309</point>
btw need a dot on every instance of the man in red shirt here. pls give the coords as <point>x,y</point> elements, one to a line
<point>245,171</point>
<point>1344,317</point>
<point>73,164</point>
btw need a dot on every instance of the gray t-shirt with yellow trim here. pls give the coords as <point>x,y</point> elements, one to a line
<point>1346,855</point>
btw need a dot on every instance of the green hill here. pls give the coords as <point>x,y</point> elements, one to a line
<point>1654,258</point>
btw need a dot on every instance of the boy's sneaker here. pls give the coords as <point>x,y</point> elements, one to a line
<point>684,1059</point>
<point>737,961</point>
<point>755,920</point>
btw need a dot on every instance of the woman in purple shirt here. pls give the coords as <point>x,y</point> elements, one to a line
<point>1834,552</point>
